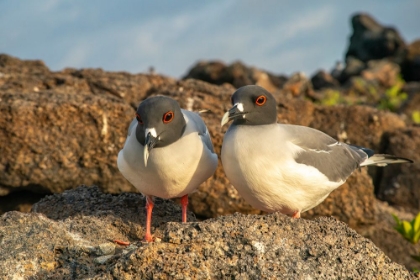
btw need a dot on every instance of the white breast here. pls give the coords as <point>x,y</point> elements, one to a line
<point>172,171</point>
<point>259,162</point>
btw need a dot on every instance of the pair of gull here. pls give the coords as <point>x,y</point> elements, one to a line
<point>275,167</point>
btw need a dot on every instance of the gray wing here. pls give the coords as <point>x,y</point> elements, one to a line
<point>334,159</point>
<point>200,127</point>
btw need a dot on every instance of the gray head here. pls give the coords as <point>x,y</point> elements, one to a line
<point>252,105</point>
<point>160,123</point>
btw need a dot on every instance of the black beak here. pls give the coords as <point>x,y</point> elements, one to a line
<point>232,114</point>
<point>150,142</point>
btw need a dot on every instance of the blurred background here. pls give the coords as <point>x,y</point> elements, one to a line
<point>278,36</point>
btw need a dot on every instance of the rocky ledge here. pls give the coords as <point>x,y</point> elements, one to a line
<point>69,236</point>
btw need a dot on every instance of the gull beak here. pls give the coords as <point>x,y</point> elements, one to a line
<point>225,119</point>
<point>150,142</point>
<point>232,114</point>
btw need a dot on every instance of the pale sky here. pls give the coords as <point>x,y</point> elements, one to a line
<point>278,36</point>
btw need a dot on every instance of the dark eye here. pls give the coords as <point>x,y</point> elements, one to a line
<point>168,117</point>
<point>260,100</point>
<point>231,99</point>
<point>139,118</point>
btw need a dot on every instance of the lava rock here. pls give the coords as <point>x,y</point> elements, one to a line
<point>401,184</point>
<point>63,242</point>
<point>371,41</point>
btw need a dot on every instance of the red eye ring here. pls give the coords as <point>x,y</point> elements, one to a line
<point>260,100</point>
<point>138,117</point>
<point>168,117</point>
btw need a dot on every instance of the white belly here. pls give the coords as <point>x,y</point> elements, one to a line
<point>259,163</point>
<point>172,171</point>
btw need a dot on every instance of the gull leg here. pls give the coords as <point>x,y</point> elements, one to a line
<point>296,215</point>
<point>149,207</point>
<point>184,203</point>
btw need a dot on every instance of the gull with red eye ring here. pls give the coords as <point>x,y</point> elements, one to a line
<point>281,167</point>
<point>168,153</point>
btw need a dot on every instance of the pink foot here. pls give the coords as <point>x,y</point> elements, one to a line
<point>184,204</point>
<point>296,215</point>
<point>149,207</point>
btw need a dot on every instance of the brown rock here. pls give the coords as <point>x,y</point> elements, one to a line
<point>294,110</point>
<point>260,247</point>
<point>69,236</point>
<point>400,185</point>
<point>26,76</point>
<point>298,86</point>
<point>131,88</point>
<point>58,141</point>
<point>384,72</point>
<point>359,125</point>
<point>412,105</point>
<point>72,240</point>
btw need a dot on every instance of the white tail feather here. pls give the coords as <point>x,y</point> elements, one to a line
<point>383,160</point>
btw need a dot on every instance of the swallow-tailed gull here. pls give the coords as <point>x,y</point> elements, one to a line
<point>282,167</point>
<point>168,153</point>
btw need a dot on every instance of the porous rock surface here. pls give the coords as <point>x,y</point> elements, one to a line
<point>68,236</point>
<point>65,128</point>
<point>61,140</point>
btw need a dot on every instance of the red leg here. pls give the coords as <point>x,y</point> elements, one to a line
<point>296,215</point>
<point>184,203</point>
<point>149,207</point>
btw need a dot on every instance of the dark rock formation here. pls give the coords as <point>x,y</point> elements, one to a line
<point>322,79</point>
<point>69,237</point>
<point>371,41</point>
<point>236,74</point>
<point>411,65</point>
<point>401,185</point>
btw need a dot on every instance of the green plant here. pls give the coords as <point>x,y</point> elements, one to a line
<point>415,116</point>
<point>409,230</point>
<point>331,97</point>
<point>394,96</point>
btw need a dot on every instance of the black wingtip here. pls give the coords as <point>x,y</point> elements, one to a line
<point>369,152</point>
